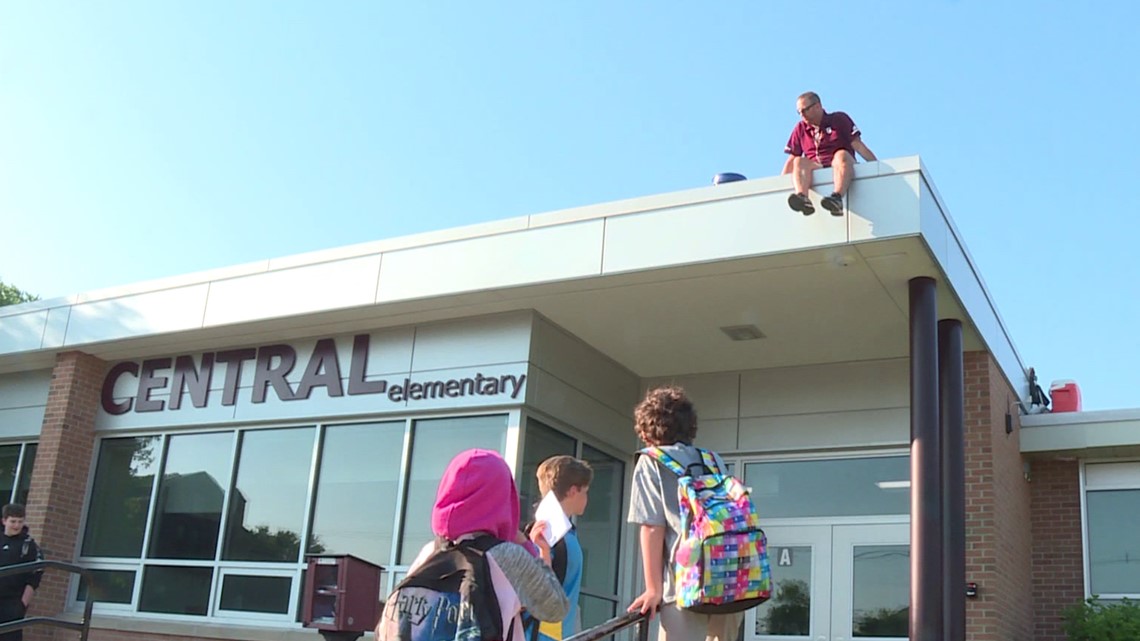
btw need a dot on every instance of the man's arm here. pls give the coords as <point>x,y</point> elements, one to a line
<point>788,165</point>
<point>863,150</point>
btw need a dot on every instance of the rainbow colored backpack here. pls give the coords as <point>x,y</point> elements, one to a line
<point>722,556</point>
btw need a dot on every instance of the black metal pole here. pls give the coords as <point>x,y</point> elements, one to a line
<point>951,395</point>
<point>925,465</point>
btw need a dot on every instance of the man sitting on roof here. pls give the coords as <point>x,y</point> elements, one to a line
<point>821,139</point>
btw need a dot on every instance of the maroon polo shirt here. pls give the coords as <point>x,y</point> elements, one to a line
<point>836,131</point>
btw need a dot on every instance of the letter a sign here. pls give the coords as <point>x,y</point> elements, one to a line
<point>785,558</point>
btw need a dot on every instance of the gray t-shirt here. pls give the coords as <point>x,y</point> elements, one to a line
<point>653,500</point>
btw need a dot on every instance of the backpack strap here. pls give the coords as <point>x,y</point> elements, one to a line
<point>710,461</point>
<point>707,463</point>
<point>661,457</point>
<point>482,542</point>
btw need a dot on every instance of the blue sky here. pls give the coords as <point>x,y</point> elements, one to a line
<point>147,139</point>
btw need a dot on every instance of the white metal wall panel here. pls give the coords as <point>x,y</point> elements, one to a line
<point>537,255</point>
<point>555,397</point>
<point>333,285</point>
<point>581,366</point>
<point>713,231</point>
<point>23,399</point>
<point>797,408</point>
<point>167,310</point>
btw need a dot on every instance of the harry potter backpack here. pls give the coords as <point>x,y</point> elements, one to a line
<point>449,597</point>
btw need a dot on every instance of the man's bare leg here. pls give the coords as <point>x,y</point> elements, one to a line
<point>802,169</point>
<point>843,164</point>
<point>843,169</point>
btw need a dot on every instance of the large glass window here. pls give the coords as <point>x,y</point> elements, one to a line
<point>599,532</point>
<point>838,487</point>
<point>1112,514</point>
<point>434,443</point>
<point>16,463</point>
<point>191,496</point>
<point>120,497</point>
<point>542,442</point>
<point>1114,546</point>
<point>267,505</point>
<point>214,522</point>
<point>599,528</point>
<point>357,491</point>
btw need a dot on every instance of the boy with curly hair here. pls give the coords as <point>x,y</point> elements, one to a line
<point>666,418</point>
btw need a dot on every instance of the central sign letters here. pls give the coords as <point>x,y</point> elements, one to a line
<point>183,378</point>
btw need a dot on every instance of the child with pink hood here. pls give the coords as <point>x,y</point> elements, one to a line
<point>477,496</point>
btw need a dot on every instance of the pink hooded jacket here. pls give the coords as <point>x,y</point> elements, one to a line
<point>476,494</point>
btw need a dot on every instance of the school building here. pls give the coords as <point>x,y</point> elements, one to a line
<point>190,440</point>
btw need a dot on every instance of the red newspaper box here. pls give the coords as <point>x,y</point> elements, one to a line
<point>342,595</point>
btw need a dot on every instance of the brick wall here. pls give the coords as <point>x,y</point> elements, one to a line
<point>998,536</point>
<point>1058,559</point>
<point>59,478</point>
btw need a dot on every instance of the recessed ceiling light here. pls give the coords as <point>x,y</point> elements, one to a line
<point>893,485</point>
<point>742,332</point>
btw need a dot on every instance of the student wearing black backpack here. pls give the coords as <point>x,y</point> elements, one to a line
<point>667,419</point>
<point>472,581</point>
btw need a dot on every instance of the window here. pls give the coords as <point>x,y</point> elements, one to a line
<point>434,443</point>
<point>599,528</point>
<point>120,497</point>
<point>218,523</point>
<point>1112,514</point>
<point>357,491</point>
<point>599,532</point>
<point>267,506</point>
<point>542,442</point>
<point>835,487</point>
<point>191,496</point>
<point>16,463</point>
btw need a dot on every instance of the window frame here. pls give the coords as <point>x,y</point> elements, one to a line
<point>1129,479</point>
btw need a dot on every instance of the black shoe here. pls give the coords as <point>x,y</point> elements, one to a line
<point>833,204</point>
<point>801,203</point>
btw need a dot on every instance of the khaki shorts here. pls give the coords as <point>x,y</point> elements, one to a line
<point>682,625</point>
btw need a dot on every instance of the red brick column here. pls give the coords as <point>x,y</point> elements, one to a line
<point>998,536</point>
<point>59,479</point>
<point>1058,556</point>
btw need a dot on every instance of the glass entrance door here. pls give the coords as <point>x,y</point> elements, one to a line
<point>836,583</point>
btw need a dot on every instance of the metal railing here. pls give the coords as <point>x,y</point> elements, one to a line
<point>82,626</point>
<point>618,624</point>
